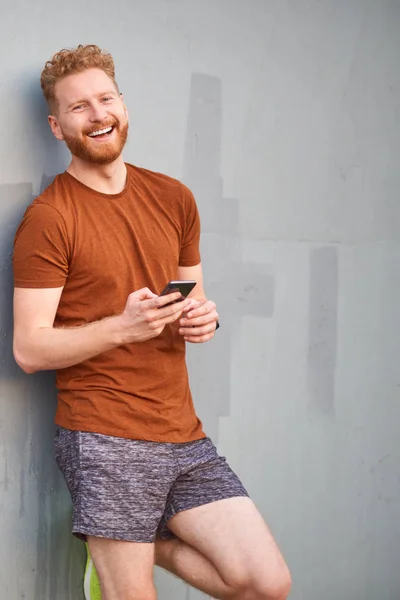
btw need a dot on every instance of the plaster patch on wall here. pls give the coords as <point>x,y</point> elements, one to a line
<point>238,288</point>
<point>323,308</point>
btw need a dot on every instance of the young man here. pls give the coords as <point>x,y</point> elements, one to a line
<point>91,255</point>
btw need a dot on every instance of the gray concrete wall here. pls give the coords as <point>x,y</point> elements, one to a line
<point>283,116</point>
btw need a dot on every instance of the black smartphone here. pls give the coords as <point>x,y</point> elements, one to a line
<point>182,286</point>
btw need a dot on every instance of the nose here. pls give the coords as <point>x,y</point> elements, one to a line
<point>97,112</point>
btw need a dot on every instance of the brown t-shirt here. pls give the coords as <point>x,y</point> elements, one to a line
<point>101,248</point>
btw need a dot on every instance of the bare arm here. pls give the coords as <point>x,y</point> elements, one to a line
<point>196,274</point>
<point>39,346</point>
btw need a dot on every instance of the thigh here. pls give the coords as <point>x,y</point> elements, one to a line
<point>118,486</point>
<point>125,569</point>
<point>232,534</point>
<point>204,477</point>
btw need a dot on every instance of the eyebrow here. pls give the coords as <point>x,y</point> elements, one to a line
<point>82,101</point>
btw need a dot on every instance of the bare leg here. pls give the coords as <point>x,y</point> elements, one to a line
<point>190,565</point>
<point>225,550</point>
<point>125,569</point>
<point>228,552</point>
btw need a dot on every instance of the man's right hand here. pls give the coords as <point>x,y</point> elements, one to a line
<point>146,314</point>
<point>39,346</point>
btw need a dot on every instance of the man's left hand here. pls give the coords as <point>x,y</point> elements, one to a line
<point>199,322</point>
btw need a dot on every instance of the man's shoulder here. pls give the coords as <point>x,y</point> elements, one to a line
<point>157,179</point>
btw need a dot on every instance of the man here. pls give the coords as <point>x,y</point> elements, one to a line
<point>91,255</point>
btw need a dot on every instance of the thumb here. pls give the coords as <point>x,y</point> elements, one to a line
<point>143,294</point>
<point>193,304</point>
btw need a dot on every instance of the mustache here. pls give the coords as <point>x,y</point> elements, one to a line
<point>109,123</point>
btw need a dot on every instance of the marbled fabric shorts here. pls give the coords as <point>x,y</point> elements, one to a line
<point>128,489</point>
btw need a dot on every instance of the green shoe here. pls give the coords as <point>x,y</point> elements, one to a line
<point>91,584</point>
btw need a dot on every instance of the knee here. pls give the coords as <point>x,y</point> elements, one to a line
<point>277,590</point>
<point>276,586</point>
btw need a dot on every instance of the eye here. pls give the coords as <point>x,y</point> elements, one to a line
<point>107,99</point>
<point>77,107</point>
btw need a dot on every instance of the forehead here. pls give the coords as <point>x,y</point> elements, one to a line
<point>90,82</point>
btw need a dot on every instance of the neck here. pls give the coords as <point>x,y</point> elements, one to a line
<point>107,179</point>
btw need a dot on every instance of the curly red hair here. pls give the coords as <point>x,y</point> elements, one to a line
<point>70,61</point>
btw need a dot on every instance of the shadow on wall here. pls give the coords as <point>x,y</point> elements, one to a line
<point>43,149</point>
<point>33,492</point>
<point>31,478</point>
<point>239,288</point>
<point>14,199</point>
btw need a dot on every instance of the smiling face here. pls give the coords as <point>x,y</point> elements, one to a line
<point>91,116</point>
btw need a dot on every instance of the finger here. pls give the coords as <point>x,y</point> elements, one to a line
<point>171,311</point>
<point>204,309</point>
<point>193,304</point>
<point>199,339</point>
<point>197,331</point>
<point>209,319</point>
<point>189,307</point>
<point>161,301</point>
<point>143,294</point>
<point>175,308</point>
<point>162,322</point>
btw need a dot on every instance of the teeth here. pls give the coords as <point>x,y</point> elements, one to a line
<point>100,132</point>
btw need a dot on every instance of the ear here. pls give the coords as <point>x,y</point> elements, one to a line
<point>55,127</point>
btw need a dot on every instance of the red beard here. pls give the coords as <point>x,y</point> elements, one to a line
<point>106,152</point>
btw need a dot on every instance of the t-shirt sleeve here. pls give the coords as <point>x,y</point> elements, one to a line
<point>190,246</point>
<point>40,258</point>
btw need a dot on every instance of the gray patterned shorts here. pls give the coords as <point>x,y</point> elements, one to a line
<point>129,489</point>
